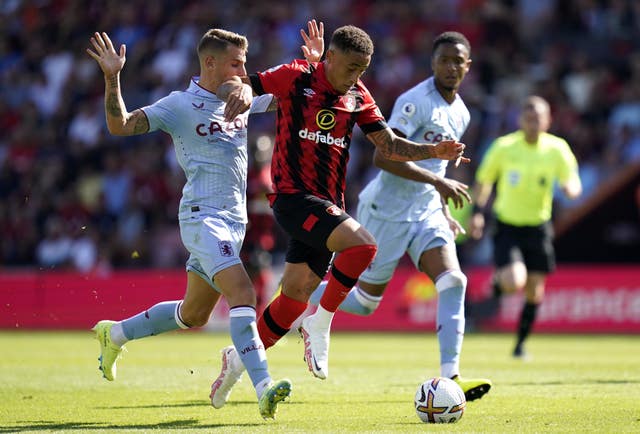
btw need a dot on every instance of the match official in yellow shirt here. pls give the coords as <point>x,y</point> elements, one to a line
<point>524,165</point>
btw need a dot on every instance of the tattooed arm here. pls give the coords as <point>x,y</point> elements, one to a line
<point>396,148</point>
<point>119,121</point>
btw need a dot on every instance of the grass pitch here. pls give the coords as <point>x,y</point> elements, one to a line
<point>49,382</point>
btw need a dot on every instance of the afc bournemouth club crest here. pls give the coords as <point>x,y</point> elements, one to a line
<point>334,210</point>
<point>349,102</point>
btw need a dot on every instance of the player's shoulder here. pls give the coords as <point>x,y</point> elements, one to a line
<point>418,93</point>
<point>360,90</point>
<point>304,65</point>
<point>179,94</point>
<point>172,100</point>
<point>414,100</point>
<point>296,65</point>
<point>184,98</point>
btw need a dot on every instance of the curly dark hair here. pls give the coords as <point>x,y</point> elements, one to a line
<point>352,38</point>
<point>451,38</point>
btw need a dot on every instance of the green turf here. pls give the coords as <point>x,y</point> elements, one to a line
<point>49,382</point>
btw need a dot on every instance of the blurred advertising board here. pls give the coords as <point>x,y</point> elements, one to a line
<point>579,299</point>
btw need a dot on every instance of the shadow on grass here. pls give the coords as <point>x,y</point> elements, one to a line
<point>56,426</point>
<point>181,404</point>
<point>87,426</point>
<point>562,383</point>
<point>187,404</point>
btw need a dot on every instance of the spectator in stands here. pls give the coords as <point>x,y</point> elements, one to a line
<point>524,42</point>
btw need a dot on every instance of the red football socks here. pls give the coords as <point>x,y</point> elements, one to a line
<point>277,318</point>
<point>346,269</point>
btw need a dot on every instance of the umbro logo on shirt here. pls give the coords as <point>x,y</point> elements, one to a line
<point>309,92</point>
<point>198,106</point>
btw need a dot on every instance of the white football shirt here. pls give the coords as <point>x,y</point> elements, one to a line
<point>423,116</point>
<point>211,151</point>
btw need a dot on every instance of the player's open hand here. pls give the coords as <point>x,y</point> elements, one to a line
<point>450,150</point>
<point>110,62</point>
<point>453,190</point>
<point>314,41</point>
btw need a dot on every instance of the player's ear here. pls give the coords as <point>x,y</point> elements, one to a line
<point>210,62</point>
<point>329,55</point>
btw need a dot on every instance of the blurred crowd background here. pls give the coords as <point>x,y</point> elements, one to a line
<point>74,197</point>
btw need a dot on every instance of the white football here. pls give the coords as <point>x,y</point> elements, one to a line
<point>440,400</point>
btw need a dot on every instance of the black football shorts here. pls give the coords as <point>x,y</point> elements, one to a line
<point>532,245</point>
<point>309,220</point>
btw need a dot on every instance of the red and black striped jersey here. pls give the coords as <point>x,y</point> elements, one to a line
<point>314,128</point>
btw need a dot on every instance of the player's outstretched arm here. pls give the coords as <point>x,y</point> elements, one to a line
<point>397,148</point>
<point>119,121</point>
<point>449,189</point>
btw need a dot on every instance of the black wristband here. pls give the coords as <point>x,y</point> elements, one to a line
<point>475,209</point>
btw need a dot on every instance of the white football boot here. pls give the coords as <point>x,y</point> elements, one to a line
<point>316,347</point>
<point>230,374</point>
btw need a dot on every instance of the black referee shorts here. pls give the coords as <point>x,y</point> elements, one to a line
<point>309,221</point>
<point>532,245</point>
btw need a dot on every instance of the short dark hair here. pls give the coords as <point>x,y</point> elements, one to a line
<point>451,38</point>
<point>217,40</point>
<point>352,38</point>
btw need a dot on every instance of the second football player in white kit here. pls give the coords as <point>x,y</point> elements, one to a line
<point>404,206</point>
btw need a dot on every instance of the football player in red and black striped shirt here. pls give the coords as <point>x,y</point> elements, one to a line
<point>318,106</point>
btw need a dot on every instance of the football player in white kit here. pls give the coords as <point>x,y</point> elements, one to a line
<point>404,206</point>
<point>212,214</point>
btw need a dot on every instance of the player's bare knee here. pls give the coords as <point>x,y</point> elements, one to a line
<point>349,234</point>
<point>240,294</point>
<point>365,237</point>
<point>510,283</point>
<point>195,318</point>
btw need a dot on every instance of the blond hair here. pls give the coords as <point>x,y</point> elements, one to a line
<point>217,40</point>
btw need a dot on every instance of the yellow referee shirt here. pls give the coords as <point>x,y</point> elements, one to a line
<point>525,175</point>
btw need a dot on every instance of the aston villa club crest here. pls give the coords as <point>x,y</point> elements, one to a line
<point>334,210</point>
<point>226,249</point>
